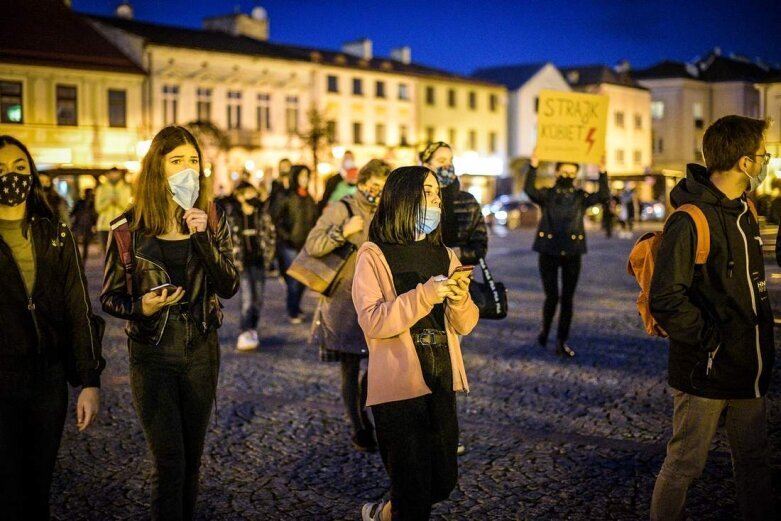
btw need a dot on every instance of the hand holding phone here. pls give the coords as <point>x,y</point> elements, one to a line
<point>462,272</point>
<point>158,290</point>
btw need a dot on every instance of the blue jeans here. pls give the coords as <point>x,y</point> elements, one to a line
<point>174,386</point>
<point>695,420</point>
<point>295,290</point>
<point>252,283</point>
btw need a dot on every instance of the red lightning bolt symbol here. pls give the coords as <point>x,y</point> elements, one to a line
<point>590,138</point>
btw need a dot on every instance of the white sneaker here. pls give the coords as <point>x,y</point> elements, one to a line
<point>298,319</point>
<point>248,341</point>
<point>372,511</point>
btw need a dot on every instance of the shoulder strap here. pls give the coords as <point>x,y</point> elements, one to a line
<point>213,221</point>
<point>121,234</point>
<point>349,208</point>
<point>753,208</point>
<point>703,231</point>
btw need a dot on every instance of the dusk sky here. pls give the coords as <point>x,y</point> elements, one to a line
<point>461,36</point>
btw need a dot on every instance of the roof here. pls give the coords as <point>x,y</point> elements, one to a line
<point>596,74</point>
<point>713,68</point>
<point>48,33</point>
<point>511,76</point>
<point>212,40</point>
<point>665,69</point>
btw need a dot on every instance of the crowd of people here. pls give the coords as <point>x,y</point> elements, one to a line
<point>399,301</point>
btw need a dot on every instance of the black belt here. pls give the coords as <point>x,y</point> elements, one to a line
<point>430,337</point>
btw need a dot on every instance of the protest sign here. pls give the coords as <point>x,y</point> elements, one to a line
<point>571,127</point>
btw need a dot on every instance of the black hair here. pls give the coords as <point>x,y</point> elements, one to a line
<point>729,139</point>
<point>294,171</point>
<point>400,209</point>
<point>36,200</point>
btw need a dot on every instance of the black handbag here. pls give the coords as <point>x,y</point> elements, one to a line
<point>489,296</point>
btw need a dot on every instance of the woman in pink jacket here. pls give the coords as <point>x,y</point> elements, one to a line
<point>411,314</point>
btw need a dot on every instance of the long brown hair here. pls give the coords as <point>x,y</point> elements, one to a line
<point>36,200</point>
<point>152,198</point>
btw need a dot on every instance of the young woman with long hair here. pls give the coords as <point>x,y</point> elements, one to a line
<point>412,304</point>
<point>174,354</point>
<point>48,334</point>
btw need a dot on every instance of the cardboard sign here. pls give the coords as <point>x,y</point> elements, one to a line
<point>571,127</point>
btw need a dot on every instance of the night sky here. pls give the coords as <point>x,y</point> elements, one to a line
<point>462,35</point>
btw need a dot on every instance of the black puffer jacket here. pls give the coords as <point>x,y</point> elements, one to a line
<point>718,313</point>
<point>463,225</point>
<point>210,274</point>
<point>55,322</point>
<point>561,230</point>
<point>294,216</point>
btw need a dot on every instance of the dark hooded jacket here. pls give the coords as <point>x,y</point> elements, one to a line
<point>463,225</point>
<point>718,314</point>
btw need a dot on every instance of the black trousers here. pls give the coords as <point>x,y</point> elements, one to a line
<point>174,386</point>
<point>549,271</point>
<point>354,392</point>
<point>418,439</point>
<point>33,404</point>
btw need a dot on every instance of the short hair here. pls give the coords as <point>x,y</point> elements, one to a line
<point>428,152</point>
<point>729,139</point>
<point>400,209</point>
<point>374,168</point>
<point>295,170</point>
<point>562,163</point>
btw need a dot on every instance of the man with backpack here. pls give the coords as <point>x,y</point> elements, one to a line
<point>717,314</point>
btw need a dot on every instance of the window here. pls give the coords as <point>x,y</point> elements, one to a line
<point>117,108</point>
<point>493,101</point>
<point>619,117</point>
<point>451,98</point>
<point>429,135</point>
<point>403,135</point>
<point>492,148</point>
<point>234,109</point>
<point>379,134</point>
<point>67,106</point>
<point>330,131</point>
<point>657,109</point>
<point>638,122</point>
<point>170,102</point>
<point>403,91</point>
<point>620,156</point>
<point>638,157</point>
<point>291,114</point>
<point>380,89</point>
<point>660,145</point>
<point>472,100</point>
<point>699,121</point>
<point>357,87</point>
<point>11,102</point>
<point>357,131</point>
<point>263,113</point>
<point>451,137</point>
<point>472,140</point>
<point>536,104</point>
<point>203,104</point>
<point>430,96</point>
<point>333,83</point>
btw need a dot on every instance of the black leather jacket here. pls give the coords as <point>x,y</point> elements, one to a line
<point>55,322</point>
<point>210,274</point>
<point>463,225</point>
<point>561,230</point>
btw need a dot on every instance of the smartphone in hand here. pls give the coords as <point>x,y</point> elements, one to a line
<point>158,290</point>
<point>462,272</point>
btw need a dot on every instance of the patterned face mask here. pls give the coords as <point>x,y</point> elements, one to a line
<point>14,188</point>
<point>446,175</point>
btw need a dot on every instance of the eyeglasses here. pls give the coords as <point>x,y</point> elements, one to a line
<point>765,157</point>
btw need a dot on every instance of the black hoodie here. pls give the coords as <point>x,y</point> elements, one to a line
<point>718,315</point>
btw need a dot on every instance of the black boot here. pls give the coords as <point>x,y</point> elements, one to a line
<point>542,338</point>
<point>562,349</point>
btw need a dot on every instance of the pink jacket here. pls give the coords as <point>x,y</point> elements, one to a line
<point>386,319</point>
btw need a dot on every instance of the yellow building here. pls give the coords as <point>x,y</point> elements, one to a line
<point>66,92</point>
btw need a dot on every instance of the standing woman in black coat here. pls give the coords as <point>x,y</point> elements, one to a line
<point>561,241</point>
<point>174,354</point>
<point>47,334</point>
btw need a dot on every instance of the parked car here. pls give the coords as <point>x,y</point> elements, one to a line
<point>512,211</point>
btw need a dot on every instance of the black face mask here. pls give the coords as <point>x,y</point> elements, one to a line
<point>14,188</point>
<point>565,182</point>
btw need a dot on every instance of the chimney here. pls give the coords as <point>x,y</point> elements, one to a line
<point>402,54</point>
<point>622,66</point>
<point>124,10</point>
<point>255,26</point>
<point>359,48</point>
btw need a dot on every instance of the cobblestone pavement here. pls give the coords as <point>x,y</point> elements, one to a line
<point>546,438</point>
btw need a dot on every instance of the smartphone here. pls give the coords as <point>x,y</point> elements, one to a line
<point>462,272</point>
<point>158,290</point>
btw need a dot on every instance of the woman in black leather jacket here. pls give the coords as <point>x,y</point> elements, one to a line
<point>47,333</point>
<point>174,355</point>
<point>561,241</point>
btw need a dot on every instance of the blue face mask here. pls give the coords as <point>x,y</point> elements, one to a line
<point>446,175</point>
<point>430,220</point>
<point>184,187</point>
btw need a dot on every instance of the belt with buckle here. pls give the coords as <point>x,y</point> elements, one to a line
<point>430,337</point>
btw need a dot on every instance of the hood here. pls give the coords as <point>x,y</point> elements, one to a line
<point>698,188</point>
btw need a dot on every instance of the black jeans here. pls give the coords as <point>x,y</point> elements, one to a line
<point>174,386</point>
<point>549,270</point>
<point>418,439</point>
<point>33,404</point>
<point>354,392</point>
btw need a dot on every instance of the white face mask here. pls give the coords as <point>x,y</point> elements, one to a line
<point>185,187</point>
<point>754,182</point>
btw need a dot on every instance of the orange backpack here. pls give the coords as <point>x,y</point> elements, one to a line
<point>642,259</point>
